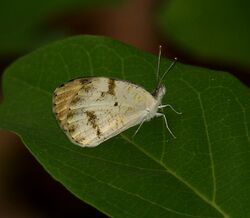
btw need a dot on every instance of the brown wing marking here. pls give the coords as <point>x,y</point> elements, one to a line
<point>65,95</point>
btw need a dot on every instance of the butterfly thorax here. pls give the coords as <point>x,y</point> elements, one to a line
<point>158,95</point>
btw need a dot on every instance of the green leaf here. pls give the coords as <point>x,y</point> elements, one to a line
<point>24,24</point>
<point>202,173</point>
<point>218,30</point>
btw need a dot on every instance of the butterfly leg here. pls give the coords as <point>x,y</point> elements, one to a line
<point>168,105</point>
<point>166,123</point>
<point>139,127</point>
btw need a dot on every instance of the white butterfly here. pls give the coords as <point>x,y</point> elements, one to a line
<point>93,109</point>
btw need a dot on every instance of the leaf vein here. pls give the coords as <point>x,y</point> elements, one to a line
<point>44,91</point>
<point>170,171</point>
<point>207,136</point>
<point>131,193</point>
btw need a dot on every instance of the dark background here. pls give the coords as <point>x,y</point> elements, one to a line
<point>26,189</point>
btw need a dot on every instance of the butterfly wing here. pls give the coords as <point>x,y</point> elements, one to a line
<point>94,109</point>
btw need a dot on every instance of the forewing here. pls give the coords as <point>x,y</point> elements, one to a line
<point>100,109</point>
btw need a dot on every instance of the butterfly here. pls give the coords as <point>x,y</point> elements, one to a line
<point>92,110</point>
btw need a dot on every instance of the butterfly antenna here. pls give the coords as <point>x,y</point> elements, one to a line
<point>169,68</point>
<point>158,64</point>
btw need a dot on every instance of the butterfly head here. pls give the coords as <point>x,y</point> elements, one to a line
<point>159,92</point>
